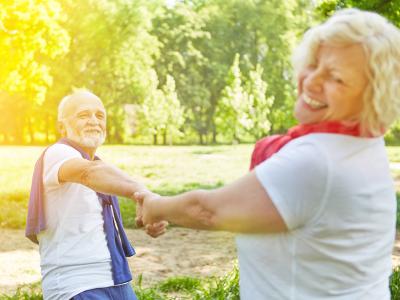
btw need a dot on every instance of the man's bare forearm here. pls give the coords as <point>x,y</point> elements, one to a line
<point>108,179</point>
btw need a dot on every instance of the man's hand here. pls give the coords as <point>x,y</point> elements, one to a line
<point>138,219</point>
<point>156,229</point>
<point>153,227</point>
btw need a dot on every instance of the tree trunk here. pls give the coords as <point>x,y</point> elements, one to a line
<point>154,139</point>
<point>47,128</point>
<point>165,137</point>
<point>201,140</point>
<point>31,133</point>
<point>214,135</point>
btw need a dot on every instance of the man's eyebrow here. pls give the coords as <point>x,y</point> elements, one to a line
<point>82,111</point>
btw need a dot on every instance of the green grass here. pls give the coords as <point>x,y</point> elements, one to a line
<point>395,284</point>
<point>165,170</point>
<point>211,288</point>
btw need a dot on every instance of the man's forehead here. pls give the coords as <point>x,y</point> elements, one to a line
<point>83,101</point>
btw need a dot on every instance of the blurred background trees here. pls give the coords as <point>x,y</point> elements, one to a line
<point>199,71</point>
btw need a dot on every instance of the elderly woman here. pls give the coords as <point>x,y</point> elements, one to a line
<point>316,216</point>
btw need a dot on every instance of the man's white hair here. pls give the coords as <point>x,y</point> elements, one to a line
<point>381,43</point>
<point>66,99</point>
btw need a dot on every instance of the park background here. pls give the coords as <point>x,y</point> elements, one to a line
<point>208,76</point>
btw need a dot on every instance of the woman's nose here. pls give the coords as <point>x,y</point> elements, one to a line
<point>313,82</point>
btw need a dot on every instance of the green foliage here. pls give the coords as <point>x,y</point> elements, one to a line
<point>211,288</point>
<point>392,136</point>
<point>180,284</point>
<point>161,112</point>
<point>181,32</point>
<point>389,9</point>
<point>395,284</point>
<point>232,111</point>
<point>26,292</point>
<point>259,104</point>
<point>111,54</point>
<point>243,112</point>
<point>169,63</point>
<point>31,36</point>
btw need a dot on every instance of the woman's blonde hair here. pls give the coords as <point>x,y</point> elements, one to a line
<point>381,43</point>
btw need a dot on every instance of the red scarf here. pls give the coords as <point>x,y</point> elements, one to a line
<point>269,145</point>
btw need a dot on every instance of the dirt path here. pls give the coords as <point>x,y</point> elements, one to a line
<point>180,252</point>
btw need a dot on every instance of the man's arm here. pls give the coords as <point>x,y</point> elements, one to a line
<point>99,176</point>
<point>243,206</point>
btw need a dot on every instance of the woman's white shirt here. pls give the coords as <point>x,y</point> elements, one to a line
<point>336,196</point>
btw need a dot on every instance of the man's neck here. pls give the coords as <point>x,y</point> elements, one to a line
<point>91,151</point>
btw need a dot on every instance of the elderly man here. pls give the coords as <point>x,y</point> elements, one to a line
<point>82,243</point>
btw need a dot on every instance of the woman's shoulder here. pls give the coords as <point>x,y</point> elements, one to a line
<point>329,141</point>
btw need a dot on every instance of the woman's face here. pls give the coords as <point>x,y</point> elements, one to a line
<point>333,87</point>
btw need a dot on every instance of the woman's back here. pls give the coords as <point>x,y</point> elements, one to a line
<point>337,198</point>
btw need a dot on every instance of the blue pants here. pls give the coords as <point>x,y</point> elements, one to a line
<point>118,292</point>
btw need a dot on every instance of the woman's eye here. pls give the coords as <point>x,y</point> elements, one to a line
<point>337,79</point>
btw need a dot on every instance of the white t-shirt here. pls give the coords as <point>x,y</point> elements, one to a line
<point>337,198</point>
<point>73,249</point>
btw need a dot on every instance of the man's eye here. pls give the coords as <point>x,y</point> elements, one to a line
<point>83,116</point>
<point>100,116</point>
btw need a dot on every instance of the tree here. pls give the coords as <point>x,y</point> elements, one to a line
<point>174,112</point>
<point>161,112</point>
<point>31,36</point>
<point>232,112</point>
<point>259,104</point>
<point>243,112</point>
<point>112,53</point>
<point>389,9</point>
<point>180,30</point>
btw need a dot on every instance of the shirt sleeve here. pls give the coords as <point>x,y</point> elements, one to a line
<point>54,157</point>
<point>295,179</point>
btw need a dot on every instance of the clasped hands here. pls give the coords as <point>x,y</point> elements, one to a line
<point>145,216</point>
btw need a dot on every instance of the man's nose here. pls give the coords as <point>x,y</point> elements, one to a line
<point>93,119</point>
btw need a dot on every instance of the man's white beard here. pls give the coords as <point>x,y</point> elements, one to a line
<point>93,141</point>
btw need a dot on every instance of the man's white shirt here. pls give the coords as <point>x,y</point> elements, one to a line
<point>73,249</point>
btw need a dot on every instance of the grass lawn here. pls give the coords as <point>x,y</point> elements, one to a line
<point>165,170</point>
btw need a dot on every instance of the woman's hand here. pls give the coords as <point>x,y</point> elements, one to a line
<point>145,214</point>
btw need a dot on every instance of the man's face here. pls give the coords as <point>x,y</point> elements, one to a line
<point>84,120</point>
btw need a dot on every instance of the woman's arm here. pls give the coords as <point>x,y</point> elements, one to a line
<point>243,206</point>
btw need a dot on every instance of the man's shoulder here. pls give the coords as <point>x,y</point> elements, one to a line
<point>59,151</point>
